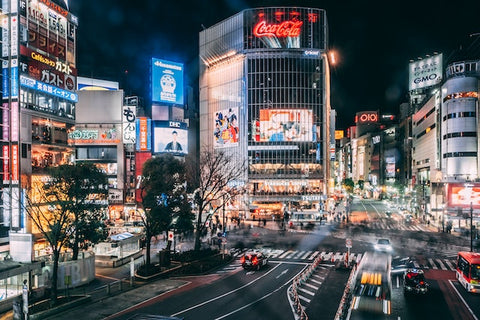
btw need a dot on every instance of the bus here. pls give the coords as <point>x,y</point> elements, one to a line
<point>468,270</point>
<point>372,287</point>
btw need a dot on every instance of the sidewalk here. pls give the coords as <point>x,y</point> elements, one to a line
<point>108,306</point>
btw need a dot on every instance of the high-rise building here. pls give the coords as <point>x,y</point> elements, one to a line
<point>38,105</point>
<point>264,99</point>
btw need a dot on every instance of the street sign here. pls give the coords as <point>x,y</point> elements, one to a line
<point>348,243</point>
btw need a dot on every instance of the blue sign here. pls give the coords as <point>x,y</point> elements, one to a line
<point>167,81</point>
<point>49,89</point>
<point>5,86</point>
<point>14,82</point>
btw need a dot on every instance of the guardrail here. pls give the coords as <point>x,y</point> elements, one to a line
<point>346,298</point>
<point>299,280</point>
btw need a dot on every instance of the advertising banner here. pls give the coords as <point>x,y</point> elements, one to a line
<point>40,67</point>
<point>285,28</point>
<point>144,134</point>
<point>462,194</point>
<point>49,89</point>
<point>286,125</point>
<point>226,132</point>
<point>167,81</point>
<point>426,72</point>
<point>129,124</point>
<point>170,136</point>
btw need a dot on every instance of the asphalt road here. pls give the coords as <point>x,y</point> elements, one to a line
<point>240,295</point>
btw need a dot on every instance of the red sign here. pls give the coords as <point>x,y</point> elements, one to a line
<point>281,30</point>
<point>6,169</point>
<point>366,117</point>
<point>463,195</point>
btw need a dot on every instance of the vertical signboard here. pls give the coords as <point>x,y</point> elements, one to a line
<point>129,124</point>
<point>144,134</point>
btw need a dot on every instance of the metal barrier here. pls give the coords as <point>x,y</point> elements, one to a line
<point>345,302</point>
<point>300,279</point>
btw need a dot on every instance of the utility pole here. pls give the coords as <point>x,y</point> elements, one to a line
<point>471,227</point>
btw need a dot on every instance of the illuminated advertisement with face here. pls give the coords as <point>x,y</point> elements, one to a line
<point>285,125</point>
<point>167,81</point>
<point>462,194</point>
<point>226,132</point>
<point>170,136</point>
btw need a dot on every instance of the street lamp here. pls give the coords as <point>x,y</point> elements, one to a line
<point>471,227</point>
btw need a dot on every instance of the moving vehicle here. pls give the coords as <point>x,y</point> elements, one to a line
<point>414,282</point>
<point>468,270</point>
<point>373,287</point>
<point>383,245</point>
<point>253,260</point>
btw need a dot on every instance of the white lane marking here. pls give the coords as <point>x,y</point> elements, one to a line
<point>450,265</point>
<point>306,254</point>
<point>285,254</point>
<point>461,298</point>
<point>304,299</point>
<point>314,255</point>
<point>442,266</point>
<point>306,291</point>
<point>282,273</point>
<point>311,286</point>
<point>261,298</point>
<point>434,266</point>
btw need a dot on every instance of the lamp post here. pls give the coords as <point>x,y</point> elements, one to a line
<point>471,227</point>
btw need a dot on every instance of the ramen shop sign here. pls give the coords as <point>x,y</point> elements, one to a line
<point>280,30</point>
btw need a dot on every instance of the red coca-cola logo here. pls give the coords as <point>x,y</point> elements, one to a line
<point>281,30</point>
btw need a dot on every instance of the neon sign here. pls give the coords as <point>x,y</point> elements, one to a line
<point>366,117</point>
<point>281,30</point>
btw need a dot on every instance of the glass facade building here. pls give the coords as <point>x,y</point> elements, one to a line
<point>264,98</point>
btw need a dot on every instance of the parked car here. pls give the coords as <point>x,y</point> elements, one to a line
<point>383,245</point>
<point>414,282</point>
<point>253,260</point>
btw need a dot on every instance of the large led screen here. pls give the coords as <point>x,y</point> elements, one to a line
<point>462,195</point>
<point>169,139</point>
<point>285,125</point>
<point>167,81</point>
<point>226,132</point>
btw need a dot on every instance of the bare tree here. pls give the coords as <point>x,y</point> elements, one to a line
<point>217,174</point>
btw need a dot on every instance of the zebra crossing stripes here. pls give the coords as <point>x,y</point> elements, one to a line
<point>393,226</point>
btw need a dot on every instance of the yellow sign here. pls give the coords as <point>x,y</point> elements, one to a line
<point>338,134</point>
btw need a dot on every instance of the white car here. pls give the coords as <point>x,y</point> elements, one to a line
<point>383,245</point>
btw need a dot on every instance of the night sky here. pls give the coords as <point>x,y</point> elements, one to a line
<point>375,41</point>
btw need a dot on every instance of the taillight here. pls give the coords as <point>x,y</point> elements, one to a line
<point>422,283</point>
<point>255,260</point>
<point>242,259</point>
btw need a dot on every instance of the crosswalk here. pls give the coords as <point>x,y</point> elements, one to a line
<point>334,257</point>
<point>385,225</point>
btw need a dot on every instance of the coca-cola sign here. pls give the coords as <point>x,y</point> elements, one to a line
<point>280,30</point>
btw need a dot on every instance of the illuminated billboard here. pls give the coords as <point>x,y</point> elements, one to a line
<point>170,137</point>
<point>285,28</point>
<point>462,194</point>
<point>366,117</point>
<point>425,73</point>
<point>143,137</point>
<point>167,81</point>
<point>285,125</point>
<point>226,132</point>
